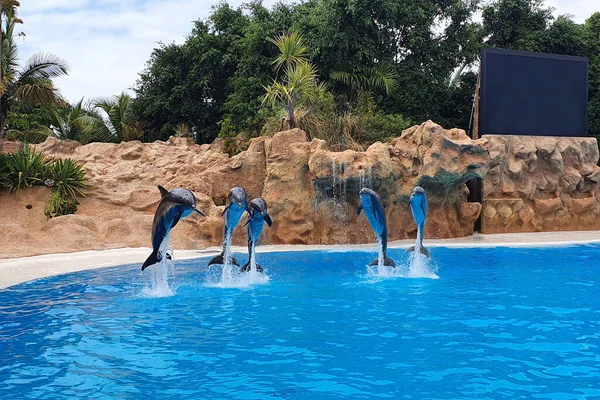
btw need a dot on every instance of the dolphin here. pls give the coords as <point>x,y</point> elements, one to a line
<point>258,217</point>
<point>371,203</point>
<point>418,206</point>
<point>174,205</point>
<point>237,200</point>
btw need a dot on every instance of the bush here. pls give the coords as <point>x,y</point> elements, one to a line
<point>25,168</point>
<point>58,205</point>
<point>69,178</point>
<point>231,144</point>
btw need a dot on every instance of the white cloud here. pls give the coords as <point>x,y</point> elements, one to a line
<point>579,9</point>
<point>107,42</point>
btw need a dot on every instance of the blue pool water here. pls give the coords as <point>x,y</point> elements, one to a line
<point>498,323</point>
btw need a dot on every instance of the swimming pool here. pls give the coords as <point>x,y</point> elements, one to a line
<point>498,323</point>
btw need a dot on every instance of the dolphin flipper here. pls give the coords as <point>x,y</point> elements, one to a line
<point>220,260</point>
<point>388,262</point>
<point>423,251</point>
<point>267,219</point>
<point>247,268</point>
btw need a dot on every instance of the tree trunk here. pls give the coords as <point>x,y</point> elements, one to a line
<point>291,118</point>
<point>1,132</point>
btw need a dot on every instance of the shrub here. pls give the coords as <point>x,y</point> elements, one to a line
<point>231,143</point>
<point>58,205</point>
<point>69,178</point>
<point>3,171</point>
<point>25,168</point>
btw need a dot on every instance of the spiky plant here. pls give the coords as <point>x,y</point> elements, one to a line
<point>69,178</point>
<point>299,86</point>
<point>292,50</point>
<point>25,168</point>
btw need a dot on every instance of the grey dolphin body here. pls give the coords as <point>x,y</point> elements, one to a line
<point>174,205</point>
<point>373,207</point>
<point>237,200</point>
<point>258,217</point>
<point>418,206</point>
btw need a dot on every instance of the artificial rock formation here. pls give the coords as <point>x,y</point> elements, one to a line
<point>312,192</point>
<point>541,184</point>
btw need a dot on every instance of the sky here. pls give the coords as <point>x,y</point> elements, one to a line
<point>107,43</point>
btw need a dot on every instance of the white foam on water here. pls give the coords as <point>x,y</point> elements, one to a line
<point>417,266</point>
<point>231,277</point>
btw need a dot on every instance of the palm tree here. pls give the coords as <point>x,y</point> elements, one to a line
<point>32,85</point>
<point>115,124</point>
<point>76,122</point>
<point>299,85</point>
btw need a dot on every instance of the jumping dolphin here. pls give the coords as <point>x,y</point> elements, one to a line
<point>418,206</point>
<point>371,203</point>
<point>174,205</point>
<point>237,200</point>
<point>258,217</point>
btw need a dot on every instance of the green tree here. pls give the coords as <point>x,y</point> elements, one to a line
<point>592,46</point>
<point>32,85</point>
<point>516,24</point>
<point>299,85</point>
<point>188,83</point>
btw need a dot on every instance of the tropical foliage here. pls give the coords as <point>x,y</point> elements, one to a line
<point>417,60</point>
<point>31,85</point>
<point>26,168</point>
<point>23,169</point>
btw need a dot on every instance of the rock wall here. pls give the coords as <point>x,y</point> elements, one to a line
<point>541,184</point>
<point>312,192</point>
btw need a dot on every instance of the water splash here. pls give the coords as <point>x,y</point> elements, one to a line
<point>160,274</point>
<point>420,266</point>
<point>416,266</point>
<point>231,277</point>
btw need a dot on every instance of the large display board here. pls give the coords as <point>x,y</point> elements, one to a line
<point>525,93</point>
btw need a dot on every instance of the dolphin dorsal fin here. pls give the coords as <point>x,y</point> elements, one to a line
<point>163,191</point>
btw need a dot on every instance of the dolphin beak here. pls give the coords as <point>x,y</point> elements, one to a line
<point>195,209</point>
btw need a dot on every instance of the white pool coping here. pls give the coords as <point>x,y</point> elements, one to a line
<point>18,270</point>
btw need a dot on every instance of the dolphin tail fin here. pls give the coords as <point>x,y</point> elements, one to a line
<point>220,260</point>
<point>247,267</point>
<point>388,262</point>
<point>422,250</point>
<point>152,259</point>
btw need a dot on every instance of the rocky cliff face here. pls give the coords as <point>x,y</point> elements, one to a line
<point>312,192</point>
<point>541,184</point>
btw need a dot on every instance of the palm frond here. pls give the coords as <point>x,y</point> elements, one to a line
<point>44,66</point>
<point>37,92</point>
<point>380,77</point>
<point>292,49</point>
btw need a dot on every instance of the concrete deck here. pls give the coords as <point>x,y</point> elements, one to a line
<point>18,270</point>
